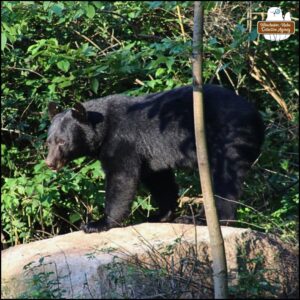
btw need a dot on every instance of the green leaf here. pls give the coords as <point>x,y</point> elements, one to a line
<point>65,84</point>
<point>100,70</point>
<point>51,88</point>
<point>74,217</point>
<point>284,164</point>
<point>95,85</point>
<point>151,83</point>
<point>47,4</point>
<point>63,65</point>
<point>58,8</point>
<point>170,62</point>
<point>240,28</point>
<point>252,35</point>
<point>27,2</point>
<point>155,4</point>
<point>9,6</point>
<point>159,72</point>
<point>78,14</point>
<point>99,4</point>
<point>213,41</point>
<point>59,79</point>
<point>40,189</point>
<point>3,40</point>
<point>90,11</point>
<point>170,83</point>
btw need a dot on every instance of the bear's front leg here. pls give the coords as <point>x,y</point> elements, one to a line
<point>95,226</point>
<point>120,190</point>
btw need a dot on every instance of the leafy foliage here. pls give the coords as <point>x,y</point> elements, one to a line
<point>68,51</point>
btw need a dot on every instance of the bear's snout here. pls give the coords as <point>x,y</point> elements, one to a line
<point>54,165</point>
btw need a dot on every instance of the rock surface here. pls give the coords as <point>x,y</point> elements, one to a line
<point>147,260</point>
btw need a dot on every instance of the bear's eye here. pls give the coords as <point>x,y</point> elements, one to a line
<point>60,142</point>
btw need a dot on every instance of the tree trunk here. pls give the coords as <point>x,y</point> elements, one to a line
<point>215,234</point>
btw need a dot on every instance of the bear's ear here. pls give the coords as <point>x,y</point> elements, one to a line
<point>79,113</point>
<point>53,110</point>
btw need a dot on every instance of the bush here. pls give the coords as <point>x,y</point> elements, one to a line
<point>70,51</point>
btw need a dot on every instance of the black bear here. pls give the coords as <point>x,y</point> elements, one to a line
<point>144,139</point>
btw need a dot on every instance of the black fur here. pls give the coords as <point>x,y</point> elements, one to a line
<point>144,139</point>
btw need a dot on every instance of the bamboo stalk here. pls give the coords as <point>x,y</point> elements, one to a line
<point>180,23</point>
<point>215,234</point>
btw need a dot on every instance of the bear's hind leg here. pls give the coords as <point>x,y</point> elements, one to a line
<point>164,191</point>
<point>229,173</point>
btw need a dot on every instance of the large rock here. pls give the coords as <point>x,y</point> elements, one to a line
<point>147,261</point>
